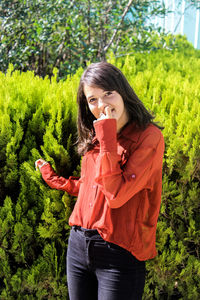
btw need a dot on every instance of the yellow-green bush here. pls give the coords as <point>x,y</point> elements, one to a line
<point>38,119</point>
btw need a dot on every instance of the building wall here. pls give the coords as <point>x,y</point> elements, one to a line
<point>184,19</point>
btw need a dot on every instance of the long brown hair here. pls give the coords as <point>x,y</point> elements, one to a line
<point>109,78</point>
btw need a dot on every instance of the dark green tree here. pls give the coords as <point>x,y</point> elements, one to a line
<point>40,35</point>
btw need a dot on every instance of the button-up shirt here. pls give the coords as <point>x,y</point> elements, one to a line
<point>119,190</point>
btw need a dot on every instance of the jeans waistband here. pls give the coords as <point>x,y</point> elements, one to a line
<point>86,232</point>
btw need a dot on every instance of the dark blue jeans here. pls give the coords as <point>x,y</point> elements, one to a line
<point>97,269</point>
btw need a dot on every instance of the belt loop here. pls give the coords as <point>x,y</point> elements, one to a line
<point>86,232</point>
<point>75,227</point>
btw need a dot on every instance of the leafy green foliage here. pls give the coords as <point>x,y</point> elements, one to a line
<point>38,119</point>
<point>41,35</point>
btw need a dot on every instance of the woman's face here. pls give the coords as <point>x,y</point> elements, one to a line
<point>108,103</point>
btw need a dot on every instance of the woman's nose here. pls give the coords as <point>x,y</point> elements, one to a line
<point>101,104</point>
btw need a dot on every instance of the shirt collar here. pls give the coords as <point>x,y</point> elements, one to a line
<point>130,131</point>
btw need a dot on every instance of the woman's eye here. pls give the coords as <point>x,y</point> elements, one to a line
<point>108,93</point>
<point>91,100</point>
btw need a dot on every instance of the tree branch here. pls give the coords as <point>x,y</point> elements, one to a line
<point>118,26</point>
<point>182,14</point>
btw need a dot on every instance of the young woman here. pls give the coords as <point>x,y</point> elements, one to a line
<point>119,191</point>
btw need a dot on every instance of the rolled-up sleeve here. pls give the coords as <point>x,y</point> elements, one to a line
<point>141,171</point>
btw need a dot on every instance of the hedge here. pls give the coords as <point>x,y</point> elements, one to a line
<point>38,119</point>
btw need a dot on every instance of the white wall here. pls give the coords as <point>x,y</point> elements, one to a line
<point>184,19</point>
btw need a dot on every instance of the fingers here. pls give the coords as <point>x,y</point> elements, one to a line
<point>108,112</point>
<point>102,116</point>
<point>39,163</point>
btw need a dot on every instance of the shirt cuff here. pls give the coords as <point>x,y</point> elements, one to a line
<point>106,133</point>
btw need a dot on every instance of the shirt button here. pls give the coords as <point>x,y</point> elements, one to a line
<point>90,205</point>
<point>133,175</point>
<point>94,186</point>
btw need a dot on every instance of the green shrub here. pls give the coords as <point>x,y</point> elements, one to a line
<point>38,119</point>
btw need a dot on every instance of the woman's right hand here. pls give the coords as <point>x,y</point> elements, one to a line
<point>106,114</point>
<point>39,163</point>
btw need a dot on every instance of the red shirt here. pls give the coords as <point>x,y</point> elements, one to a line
<point>119,191</point>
